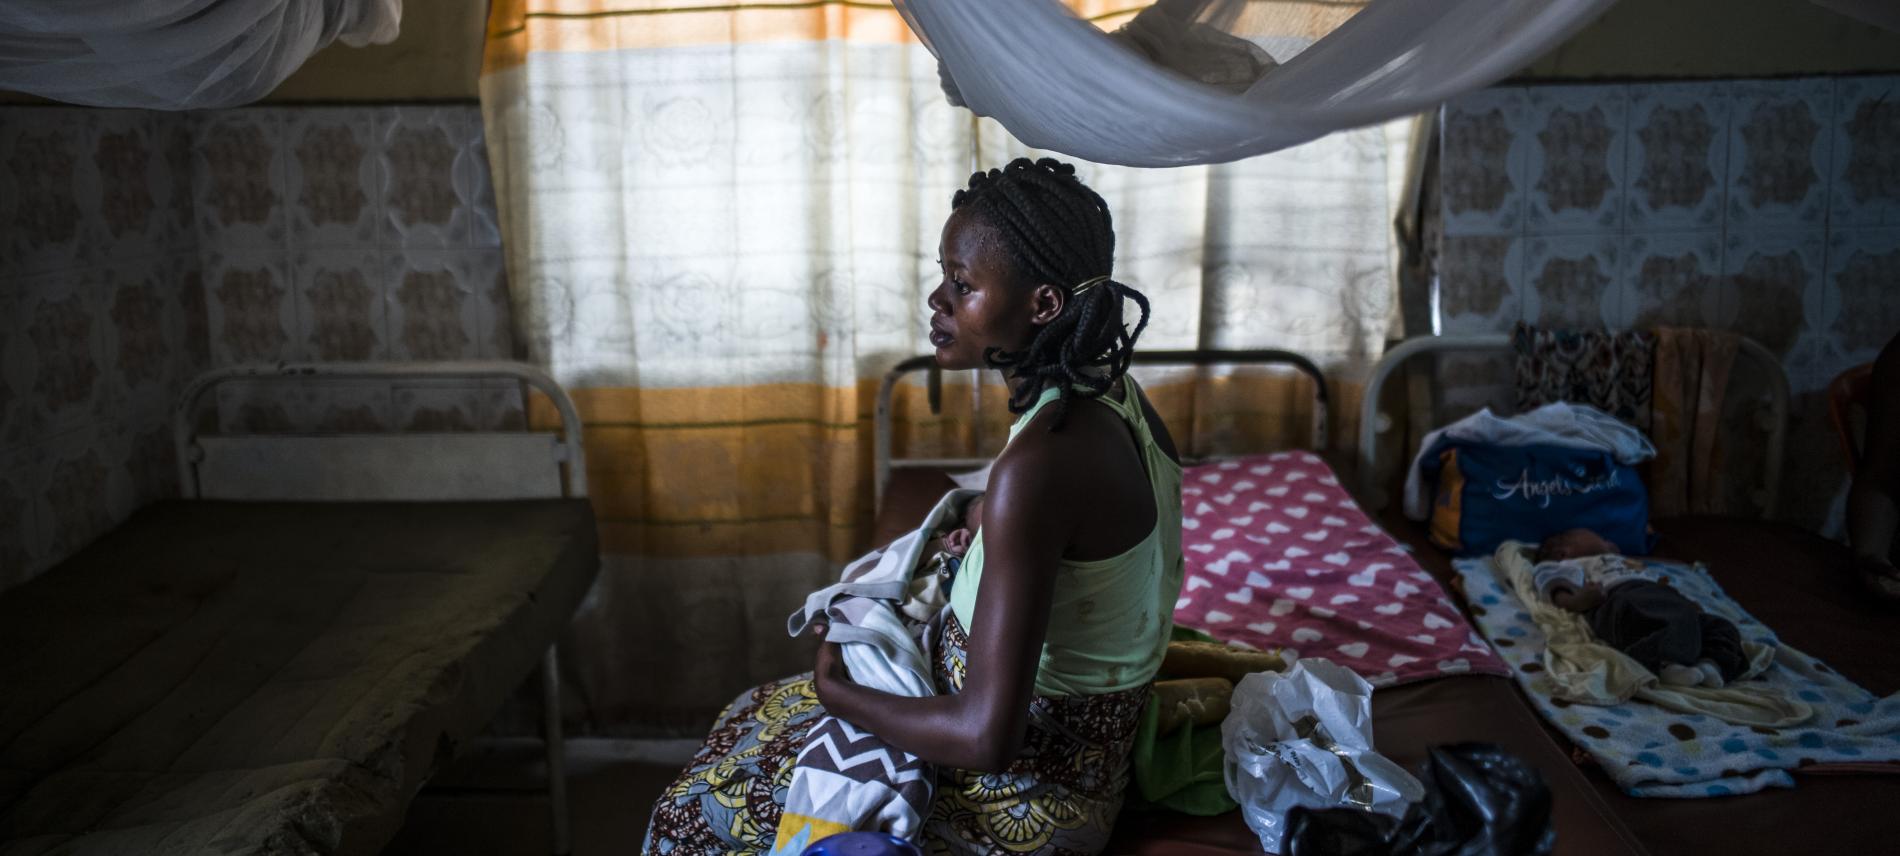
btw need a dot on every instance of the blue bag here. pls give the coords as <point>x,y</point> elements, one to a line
<point>1488,494</point>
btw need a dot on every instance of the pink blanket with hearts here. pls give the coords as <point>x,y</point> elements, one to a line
<point>1279,556</point>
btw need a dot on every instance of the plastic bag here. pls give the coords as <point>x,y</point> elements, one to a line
<point>1479,799</point>
<point>1304,738</point>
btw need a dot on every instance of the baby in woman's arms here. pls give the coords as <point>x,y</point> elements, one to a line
<point>943,554</point>
<point>1630,608</point>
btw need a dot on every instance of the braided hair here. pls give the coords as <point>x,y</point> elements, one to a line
<point>1058,232</point>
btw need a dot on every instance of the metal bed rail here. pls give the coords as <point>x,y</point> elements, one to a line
<point>1771,415</point>
<point>398,467</point>
<point>884,463</point>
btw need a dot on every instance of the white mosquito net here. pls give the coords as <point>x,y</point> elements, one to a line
<point>1209,81</point>
<point>175,54</point>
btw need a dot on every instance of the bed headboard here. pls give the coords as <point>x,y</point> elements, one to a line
<point>1771,414</point>
<point>884,463</point>
<point>387,466</point>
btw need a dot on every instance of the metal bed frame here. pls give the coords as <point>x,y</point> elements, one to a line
<point>1771,414</point>
<point>884,463</point>
<point>397,467</point>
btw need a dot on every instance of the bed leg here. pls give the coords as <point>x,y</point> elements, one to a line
<point>557,750</point>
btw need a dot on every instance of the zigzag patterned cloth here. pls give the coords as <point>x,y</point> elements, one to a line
<point>848,779</point>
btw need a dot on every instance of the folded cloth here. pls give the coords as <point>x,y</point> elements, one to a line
<point>1686,743</point>
<point>1180,770</point>
<point>846,779</point>
<point>1183,769</point>
<point>1691,379</point>
<point>1610,371</point>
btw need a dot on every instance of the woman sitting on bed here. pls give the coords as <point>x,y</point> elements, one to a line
<point>1060,613</point>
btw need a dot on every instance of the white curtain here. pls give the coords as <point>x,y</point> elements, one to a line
<point>175,54</point>
<point>1057,82</point>
<point>709,217</point>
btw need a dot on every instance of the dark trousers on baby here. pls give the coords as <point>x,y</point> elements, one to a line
<point>1655,625</point>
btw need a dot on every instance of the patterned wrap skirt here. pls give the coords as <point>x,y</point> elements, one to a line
<point>1060,795</point>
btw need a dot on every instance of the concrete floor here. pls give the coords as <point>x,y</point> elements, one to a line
<point>492,800</point>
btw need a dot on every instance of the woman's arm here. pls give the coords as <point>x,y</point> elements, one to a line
<point>1026,524</point>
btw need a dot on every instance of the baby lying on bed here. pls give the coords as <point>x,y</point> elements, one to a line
<point>1631,609</point>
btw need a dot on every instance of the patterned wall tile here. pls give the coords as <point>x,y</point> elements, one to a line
<point>505,406</point>
<point>239,176</point>
<point>334,178</point>
<point>419,148</point>
<point>347,407</point>
<point>440,407</point>
<point>1863,277</point>
<point>1776,292</point>
<point>486,273</point>
<point>1670,279</point>
<point>22,535</point>
<point>111,439</point>
<point>1866,130</point>
<point>185,272</point>
<point>342,305</point>
<point>120,189</point>
<point>1572,281</point>
<point>65,329</point>
<point>16,372</point>
<point>476,184</point>
<point>74,493</point>
<point>327,407</point>
<point>1469,382</point>
<point>251,307</point>
<point>143,327</point>
<point>1779,153</point>
<point>1481,283</point>
<point>1483,149</point>
<point>434,310</point>
<point>151,464</point>
<point>41,227</point>
<point>173,135</point>
<point>1575,160</point>
<point>1677,168</point>
<point>261,408</point>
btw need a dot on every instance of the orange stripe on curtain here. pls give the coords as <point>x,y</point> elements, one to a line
<point>781,468</point>
<point>517,28</point>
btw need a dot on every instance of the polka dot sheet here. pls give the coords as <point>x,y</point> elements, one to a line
<point>1279,556</point>
<point>1650,751</point>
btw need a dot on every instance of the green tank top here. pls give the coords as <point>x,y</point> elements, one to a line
<point>1110,619</point>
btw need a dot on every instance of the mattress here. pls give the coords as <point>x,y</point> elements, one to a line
<point>269,677</point>
<point>1279,557</point>
<point>1407,720</point>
